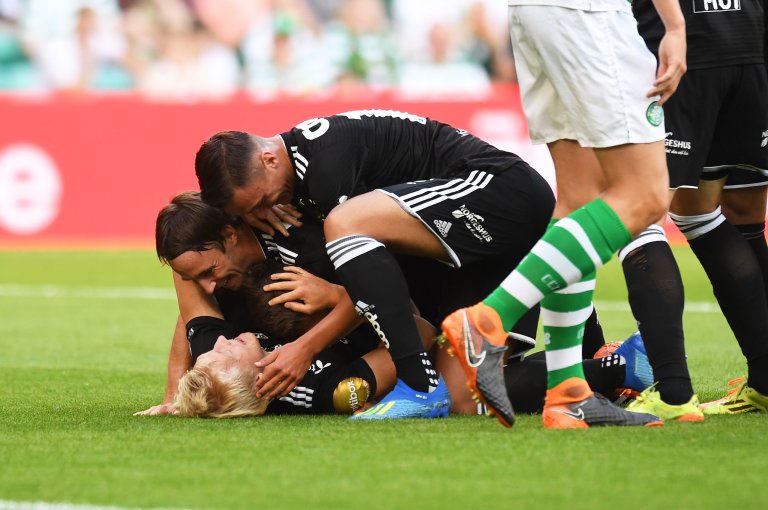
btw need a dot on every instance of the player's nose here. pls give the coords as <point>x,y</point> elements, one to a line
<point>220,342</point>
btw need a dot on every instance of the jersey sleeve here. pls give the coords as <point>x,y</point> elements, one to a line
<point>203,331</point>
<point>305,247</point>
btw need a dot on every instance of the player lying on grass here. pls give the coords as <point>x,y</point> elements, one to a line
<point>211,254</point>
<point>442,194</point>
<point>341,378</point>
<point>207,248</point>
<point>222,382</point>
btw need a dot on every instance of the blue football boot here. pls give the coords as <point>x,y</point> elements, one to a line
<point>405,402</point>
<point>639,374</point>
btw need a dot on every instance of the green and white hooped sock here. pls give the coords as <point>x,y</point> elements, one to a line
<point>569,252</point>
<point>563,315</point>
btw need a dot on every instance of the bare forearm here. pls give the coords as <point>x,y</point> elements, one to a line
<point>670,14</point>
<point>285,367</point>
<point>179,361</point>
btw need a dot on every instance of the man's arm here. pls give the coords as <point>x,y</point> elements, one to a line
<point>286,366</point>
<point>193,302</point>
<point>672,50</point>
<point>179,361</point>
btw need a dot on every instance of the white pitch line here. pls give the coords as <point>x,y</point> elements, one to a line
<point>60,291</point>
<point>39,505</point>
<point>692,307</point>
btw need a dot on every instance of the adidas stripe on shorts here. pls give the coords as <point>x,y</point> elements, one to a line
<point>496,206</point>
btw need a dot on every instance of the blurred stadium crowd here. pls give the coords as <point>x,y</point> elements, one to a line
<point>208,50</point>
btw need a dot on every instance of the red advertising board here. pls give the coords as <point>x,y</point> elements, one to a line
<point>96,170</point>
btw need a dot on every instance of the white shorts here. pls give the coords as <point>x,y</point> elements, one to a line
<point>583,76</point>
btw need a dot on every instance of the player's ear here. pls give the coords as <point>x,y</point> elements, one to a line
<point>230,235</point>
<point>269,159</point>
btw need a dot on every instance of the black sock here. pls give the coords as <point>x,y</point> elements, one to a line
<point>593,336</point>
<point>526,380</point>
<point>656,297</point>
<point>737,282</point>
<point>754,233</point>
<point>606,374</point>
<point>526,383</point>
<point>376,285</point>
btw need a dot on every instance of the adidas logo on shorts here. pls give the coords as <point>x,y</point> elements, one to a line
<point>443,227</point>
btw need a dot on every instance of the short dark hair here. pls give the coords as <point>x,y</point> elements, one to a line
<point>189,224</point>
<point>277,322</point>
<point>222,164</point>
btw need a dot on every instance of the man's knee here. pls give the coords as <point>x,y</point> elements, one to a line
<point>372,214</point>
<point>643,208</point>
<point>382,218</point>
<point>658,203</point>
<point>745,205</point>
<point>340,222</point>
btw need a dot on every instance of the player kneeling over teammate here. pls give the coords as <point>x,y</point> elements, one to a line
<point>386,184</point>
<point>213,255</point>
<point>210,251</point>
<point>222,382</point>
<point>341,379</point>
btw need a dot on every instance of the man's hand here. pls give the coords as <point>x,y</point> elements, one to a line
<point>672,65</point>
<point>302,291</point>
<point>283,369</point>
<point>280,214</point>
<point>158,410</point>
<point>672,50</point>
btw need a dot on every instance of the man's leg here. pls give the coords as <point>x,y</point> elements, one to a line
<point>655,292</point>
<point>565,311</point>
<point>656,296</point>
<point>359,235</point>
<point>526,380</point>
<point>745,208</point>
<point>636,181</point>
<point>657,300</point>
<point>733,270</point>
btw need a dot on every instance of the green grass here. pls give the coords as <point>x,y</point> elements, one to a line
<point>73,368</point>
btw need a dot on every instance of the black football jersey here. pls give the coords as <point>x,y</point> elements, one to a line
<point>304,247</point>
<point>314,393</point>
<point>351,153</point>
<point>719,32</point>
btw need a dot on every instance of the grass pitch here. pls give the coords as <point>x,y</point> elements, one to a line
<point>85,337</point>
